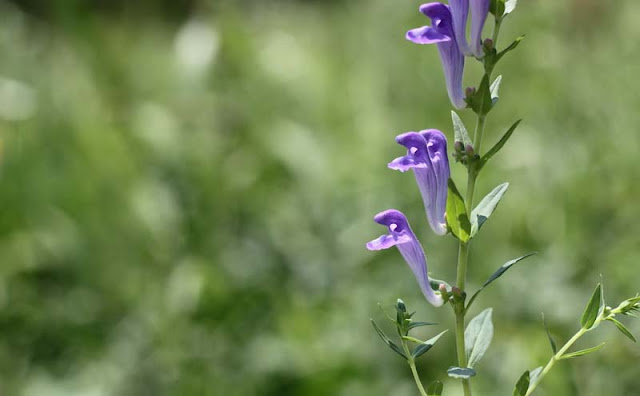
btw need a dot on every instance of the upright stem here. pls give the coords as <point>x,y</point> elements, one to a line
<point>414,371</point>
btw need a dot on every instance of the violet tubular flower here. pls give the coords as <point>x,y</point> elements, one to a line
<point>401,236</point>
<point>427,157</point>
<point>441,33</point>
<point>479,12</point>
<point>459,13</point>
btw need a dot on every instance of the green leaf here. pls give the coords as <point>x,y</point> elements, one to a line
<point>425,346</point>
<point>459,130</point>
<point>535,373</point>
<point>486,207</point>
<point>435,389</point>
<point>457,219</point>
<point>590,313</point>
<point>509,6</point>
<point>494,150</point>
<point>495,86</point>
<point>498,274</point>
<point>478,336</point>
<point>511,47</point>
<point>581,352</point>
<point>623,329</point>
<point>387,340</point>
<point>413,325</point>
<point>554,348</point>
<point>523,385</point>
<point>459,372</point>
<point>481,102</point>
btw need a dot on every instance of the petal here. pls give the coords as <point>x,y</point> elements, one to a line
<point>459,13</point>
<point>401,235</point>
<point>405,163</point>
<point>386,241</point>
<point>426,35</point>
<point>479,12</point>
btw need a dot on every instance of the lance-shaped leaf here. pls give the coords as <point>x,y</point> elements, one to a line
<point>460,372</point>
<point>478,336</point>
<point>535,373</point>
<point>495,86</point>
<point>523,385</point>
<point>498,274</point>
<point>582,352</point>
<point>511,47</point>
<point>459,130</point>
<point>623,329</point>
<point>486,207</point>
<point>551,341</point>
<point>425,346</point>
<point>387,340</point>
<point>592,310</point>
<point>435,389</point>
<point>457,219</point>
<point>481,102</point>
<point>494,150</point>
<point>413,325</point>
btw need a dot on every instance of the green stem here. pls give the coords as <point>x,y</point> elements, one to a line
<point>414,371</point>
<point>554,359</point>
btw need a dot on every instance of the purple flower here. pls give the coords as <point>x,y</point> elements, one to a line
<point>427,156</point>
<point>459,12</point>
<point>479,12</point>
<point>442,34</point>
<point>401,236</point>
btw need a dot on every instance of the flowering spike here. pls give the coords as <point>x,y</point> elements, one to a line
<point>427,156</point>
<point>479,12</point>
<point>401,236</point>
<point>441,33</point>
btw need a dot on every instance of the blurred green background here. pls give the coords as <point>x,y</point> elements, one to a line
<point>187,187</point>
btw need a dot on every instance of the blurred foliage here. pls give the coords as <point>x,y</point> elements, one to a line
<point>188,186</point>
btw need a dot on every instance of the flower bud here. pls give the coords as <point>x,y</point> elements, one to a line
<point>469,151</point>
<point>469,92</point>
<point>487,45</point>
<point>458,146</point>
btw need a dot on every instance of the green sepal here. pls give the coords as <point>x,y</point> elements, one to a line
<point>387,340</point>
<point>554,348</point>
<point>593,308</point>
<point>460,372</point>
<point>478,336</point>
<point>426,345</point>
<point>435,389</point>
<point>486,207</point>
<point>457,219</point>
<point>523,385</point>
<point>494,150</point>
<point>435,284</point>
<point>582,352</point>
<point>498,274</point>
<point>623,329</point>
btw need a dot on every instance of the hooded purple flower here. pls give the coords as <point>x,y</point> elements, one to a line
<point>401,236</point>
<point>442,34</point>
<point>479,12</point>
<point>459,13</point>
<point>427,156</point>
